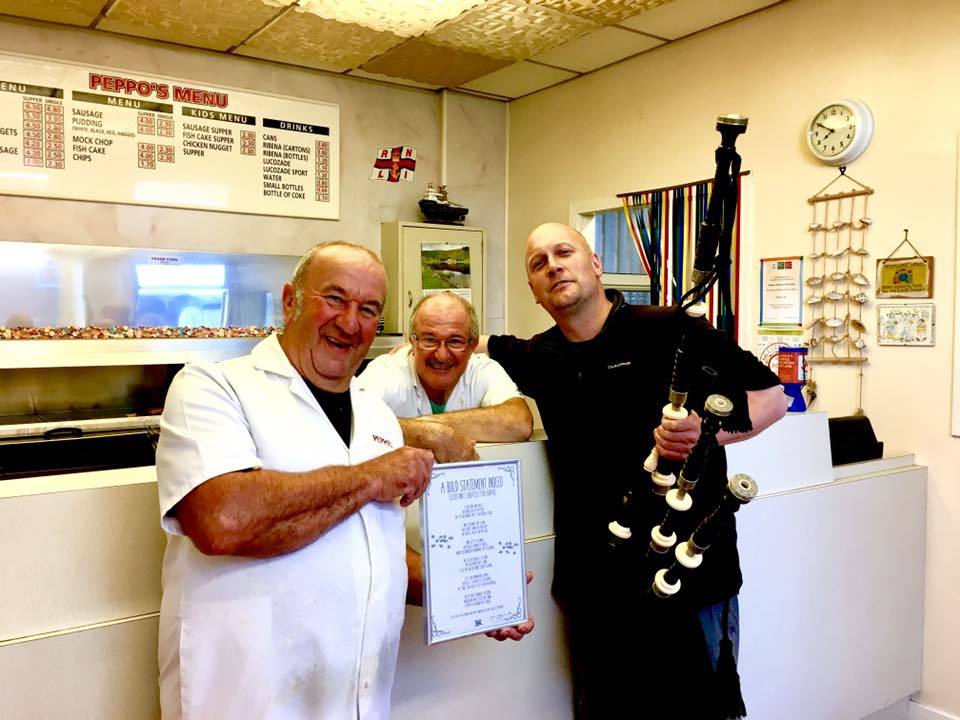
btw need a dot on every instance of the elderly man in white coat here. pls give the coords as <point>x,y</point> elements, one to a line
<point>447,397</point>
<point>284,576</point>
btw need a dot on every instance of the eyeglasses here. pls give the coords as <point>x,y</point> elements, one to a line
<point>429,342</point>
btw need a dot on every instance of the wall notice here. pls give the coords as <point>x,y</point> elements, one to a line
<point>781,291</point>
<point>81,133</point>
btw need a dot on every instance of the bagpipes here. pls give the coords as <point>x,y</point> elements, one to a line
<point>711,260</point>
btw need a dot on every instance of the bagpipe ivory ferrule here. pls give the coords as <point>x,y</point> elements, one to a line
<point>661,543</point>
<point>688,555</point>
<point>619,531</point>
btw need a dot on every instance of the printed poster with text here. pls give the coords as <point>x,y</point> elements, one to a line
<point>93,133</point>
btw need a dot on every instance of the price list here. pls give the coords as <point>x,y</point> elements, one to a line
<point>115,137</point>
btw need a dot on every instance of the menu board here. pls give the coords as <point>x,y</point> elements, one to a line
<point>90,133</point>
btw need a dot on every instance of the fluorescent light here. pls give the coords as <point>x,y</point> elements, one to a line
<point>406,18</point>
<point>22,256</point>
<point>181,276</point>
<point>193,292</point>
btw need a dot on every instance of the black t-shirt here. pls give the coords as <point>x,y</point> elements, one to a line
<point>600,401</point>
<point>337,408</point>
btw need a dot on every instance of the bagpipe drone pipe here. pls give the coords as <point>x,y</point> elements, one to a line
<point>711,259</point>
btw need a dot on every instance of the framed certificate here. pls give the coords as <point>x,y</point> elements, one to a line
<point>474,575</point>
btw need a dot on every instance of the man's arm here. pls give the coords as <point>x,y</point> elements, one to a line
<point>452,436</point>
<point>510,421</point>
<point>766,407</point>
<point>676,438</point>
<point>263,513</point>
<point>414,578</point>
<point>446,444</point>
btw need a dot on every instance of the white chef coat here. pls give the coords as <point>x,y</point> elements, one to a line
<point>394,379</point>
<point>310,634</point>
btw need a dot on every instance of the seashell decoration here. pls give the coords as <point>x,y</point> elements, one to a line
<point>838,228</point>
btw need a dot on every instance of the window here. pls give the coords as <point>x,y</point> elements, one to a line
<point>181,296</point>
<point>605,228</point>
<point>614,244</point>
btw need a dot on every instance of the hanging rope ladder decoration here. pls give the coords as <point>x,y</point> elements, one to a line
<point>837,282</point>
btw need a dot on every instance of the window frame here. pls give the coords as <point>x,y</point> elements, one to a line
<point>581,218</point>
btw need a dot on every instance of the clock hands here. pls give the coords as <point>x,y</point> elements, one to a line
<point>839,132</point>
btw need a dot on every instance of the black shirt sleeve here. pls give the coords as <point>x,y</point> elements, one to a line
<point>517,358</point>
<point>737,372</point>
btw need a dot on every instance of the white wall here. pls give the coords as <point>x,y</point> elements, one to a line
<point>476,175</point>
<point>372,115</point>
<point>649,122</point>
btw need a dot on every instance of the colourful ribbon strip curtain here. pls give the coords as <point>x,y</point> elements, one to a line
<point>664,224</point>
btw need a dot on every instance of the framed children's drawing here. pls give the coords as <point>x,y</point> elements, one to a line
<point>905,324</point>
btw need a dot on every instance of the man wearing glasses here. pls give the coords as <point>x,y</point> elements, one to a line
<point>447,397</point>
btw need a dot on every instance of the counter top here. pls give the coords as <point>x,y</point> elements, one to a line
<point>760,457</point>
<point>71,482</point>
<point>154,351</point>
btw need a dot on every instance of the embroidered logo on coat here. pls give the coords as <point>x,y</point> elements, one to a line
<point>625,363</point>
<point>383,441</point>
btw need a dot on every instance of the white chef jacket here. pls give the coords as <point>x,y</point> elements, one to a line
<point>310,634</point>
<point>394,379</point>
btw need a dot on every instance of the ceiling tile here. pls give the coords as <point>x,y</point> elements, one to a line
<point>682,17</point>
<point>212,24</point>
<point>518,79</point>
<point>605,46</point>
<point>392,80</point>
<point>407,18</point>
<point>425,62</point>
<point>302,38</point>
<point>602,12</point>
<point>72,12</point>
<point>509,29</point>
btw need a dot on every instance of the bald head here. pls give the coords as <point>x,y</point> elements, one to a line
<point>563,273</point>
<point>315,255</point>
<point>330,320</point>
<point>548,233</point>
<point>450,305</point>
<point>444,331</point>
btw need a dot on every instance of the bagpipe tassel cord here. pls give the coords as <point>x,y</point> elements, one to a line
<point>730,704</point>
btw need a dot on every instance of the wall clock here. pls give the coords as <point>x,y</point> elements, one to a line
<point>839,132</point>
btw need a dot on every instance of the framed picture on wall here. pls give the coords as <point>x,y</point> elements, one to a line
<point>906,324</point>
<point>905,277</point>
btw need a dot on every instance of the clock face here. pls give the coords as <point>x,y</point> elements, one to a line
<point>832,130</point>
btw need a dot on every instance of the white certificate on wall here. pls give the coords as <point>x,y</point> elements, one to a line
<point>781,291</point>
<point>471,524</point>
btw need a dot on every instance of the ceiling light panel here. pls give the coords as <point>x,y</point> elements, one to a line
<point>302,38</point>
<point>71,12</point>
<point>602,12</point>
<point>422,61</point>
<point>212,24</point>
<point>406,18</point>
<point>510,30</point>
